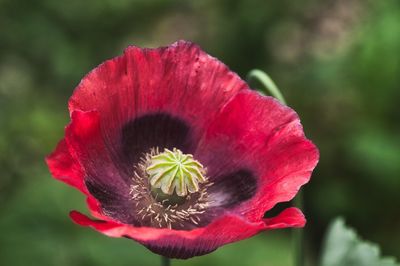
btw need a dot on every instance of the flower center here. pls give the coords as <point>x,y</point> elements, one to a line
<point>169,190</point>
<point>174,171</point>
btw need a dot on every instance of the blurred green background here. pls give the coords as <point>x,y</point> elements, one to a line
<point>337,63</point>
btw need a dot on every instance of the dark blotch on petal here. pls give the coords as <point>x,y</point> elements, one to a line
<point>154,130</point>
<point>137,138</point>
<point>180,252</point>
<point>234,188</point>
<point>115,204</point>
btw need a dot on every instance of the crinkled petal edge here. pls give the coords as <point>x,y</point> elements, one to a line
<point>186,244</point>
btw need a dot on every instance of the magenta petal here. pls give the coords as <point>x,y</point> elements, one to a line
<point>180,80</point>
<point>103,177</point>
<point>186,244</point>
<point>290,217</point>
<point>65,168</point>
<point>259,135</point>
<point>84,137</point>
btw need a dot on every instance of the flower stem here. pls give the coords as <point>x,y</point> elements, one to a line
<point>273,90</point>
<point>269,86</point>
<point>299,233</point>
<point>165,261</point>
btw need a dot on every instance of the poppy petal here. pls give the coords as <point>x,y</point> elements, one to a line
<point>290,217</point>
<point>258,135</point>
<point>200,241</point>
<point>84,137</point>
<point>179,81</point>
<point>103,179</point>
<point>65,168</point>
<point>95,209</point>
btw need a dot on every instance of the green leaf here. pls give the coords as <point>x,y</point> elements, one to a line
<point>343,247</point>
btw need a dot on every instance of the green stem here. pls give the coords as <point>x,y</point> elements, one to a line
<point>165,261</point>
<point>273,90</point>
<point>269,86</point>
<point>299,233</point>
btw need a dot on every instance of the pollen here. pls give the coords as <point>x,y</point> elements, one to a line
<point>173,171</point>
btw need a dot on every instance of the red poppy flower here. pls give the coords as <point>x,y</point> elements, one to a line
<point>174,150</point>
